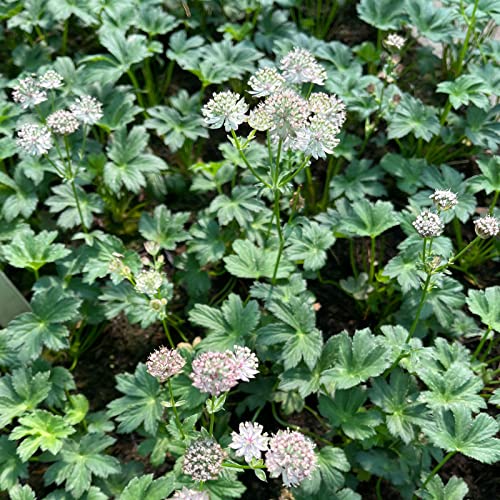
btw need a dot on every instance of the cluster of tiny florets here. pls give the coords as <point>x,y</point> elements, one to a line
<point>226,109</point>
<point>291,454</point>
<point>319,138</point>
<point>300,66</point>
<point>487,227</point>
<point>51,80</point>
<point>203,459</point>
<point>428,225</point>
<point>87,109</point>
<point>29,93</point>
<point>249,442</point>
<point>218,372</point>
<point>395,41</point>
<point>188,494</point>
<point>62,122</point>
<point>265,82</point>
<point>148,282</point>
<point>444,199</point>
<point>34,139</point>
<point>164,363</point>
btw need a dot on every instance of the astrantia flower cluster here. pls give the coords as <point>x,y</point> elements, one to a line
<point>225,109</point>
<point>164,363</point>
<point>51,80</point>
<point>291,454</point>
<point>428,225</point>
<point>308,125</point>
<point>444,199</point>
<point>395,41</point>
<point>62,122</point>
<point>148,282</point>
<point>34,139</point>
<point>300,66</point>
<point>28,92</point>
<point>188,494</point>
<point>487,227</point>
<point>249,442</point>
<point>218,372</point>
<point>203,459</point>
<point>87,109</point>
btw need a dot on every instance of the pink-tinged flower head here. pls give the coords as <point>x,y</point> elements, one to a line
<point>203,459</point>
<point>188,494</point>
<point>225,109</point>
<point>287,112</point>
<point>28,93</point>
<point>319,138</point>
<point>165,363</point>
<point>250,442</point>
<point>246,363</point>
<point>265,82</point>
<point>36,140</point>
<point>215,372</point>
<point>291,454</point>
<point>486,227</point>
<point>428,225</point>
<point>300,66</point>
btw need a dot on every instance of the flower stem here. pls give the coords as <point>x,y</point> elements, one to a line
<point>438,467</point>
<point>373,250</point>
<point>167,333</point>
<point>174,408</point>
<point>420,307</point>
<point>78,207</point>
<point>280,233</point>
<point>481,343</point>
<point>212,418</point>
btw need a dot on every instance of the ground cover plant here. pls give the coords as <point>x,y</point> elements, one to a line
<point>258,240</point>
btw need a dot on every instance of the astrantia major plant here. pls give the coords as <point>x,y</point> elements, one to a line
<point>304,297</point>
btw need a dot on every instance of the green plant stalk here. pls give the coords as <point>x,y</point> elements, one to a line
<point>212,418</point>
<point>494,202</point>
<point>174,408</point>
<point>378,490</point>
<point>329,20</point>
<point>242,467</point>
<point>481,343</point>
<point>459,254</point>
<point>148,77</point>
<point>458,233</point>
<point>465,46</point>
<point>373,255</point>
<point>276,210</point>
<point>137,88</point>
<point>64,42</point>
<point>78,207</point>
<point>420,307</point>
<point>167,333</point>
<point>438,467</point>
<point>246,162</point>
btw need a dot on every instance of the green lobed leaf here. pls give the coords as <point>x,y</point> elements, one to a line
<point>456,430</point>
<point>356,360</point>
<point>486,304</point>
<point>141,404</point>
<point>148,488</point>
<point>30,250</point>
<point>79,460</point>
<point>455,489</point>
<point>163,227</point>
<point>40,429</point>
<point>12,467</point>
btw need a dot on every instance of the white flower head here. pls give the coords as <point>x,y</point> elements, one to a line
<point>203,459</point>
<point>395,41</point>
<point>291,454</point>
<point>328,107</point>
<point>265,82</point>
<point>487,227</point>
<point>246,363</point>
<point>87,109</point>
<point>51,80</point>
<point>259,118</point>
<point>428,225</point>
<point>226,109</point>
<point>189,494</point>
<point>288,113</point>
<point>300,66</point>
<point>249,442</point>
<point>28,93</point>
<point>62,122</point>
<point>444,199</point>
<point>36,140</point>
<point>319,138</point>
<point>148,282</point>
